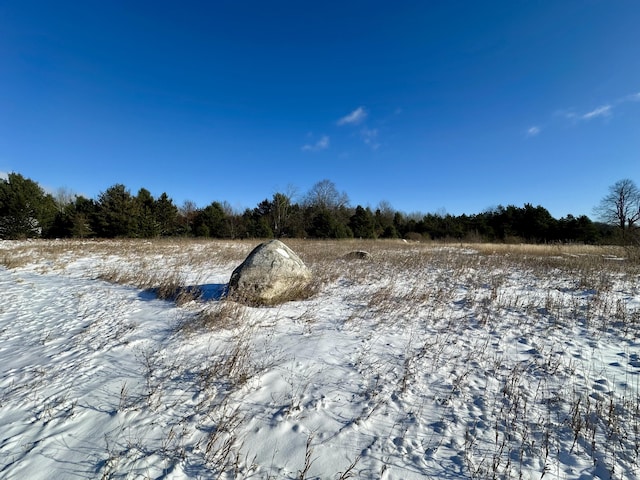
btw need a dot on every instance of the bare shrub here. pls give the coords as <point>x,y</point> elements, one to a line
<point>212,316</point>
<point>11,261</point>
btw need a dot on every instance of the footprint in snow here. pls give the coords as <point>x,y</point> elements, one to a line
<point>601,385</point>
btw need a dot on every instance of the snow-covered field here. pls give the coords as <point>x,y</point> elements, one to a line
<point>426,361</point>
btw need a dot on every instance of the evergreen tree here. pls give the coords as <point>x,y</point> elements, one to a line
<point>389,232</point>
<point>166,215</point>
<point>212,222</point>
<point>384,221</point>
<point>362,223</point>
<point>326,224</point>
<point>148,227</point>
<point>256,221</point>
<point>84,218</point>
<point>323,225</point>
<point>25,210</point>
<point>117,213</point>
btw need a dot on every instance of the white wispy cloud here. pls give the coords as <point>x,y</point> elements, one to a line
<point>568,114</point>
<point>4,175</point>
<point>370,137</point>
<point>602,111</point>
<point>354,118</point>
<point>321,144</point>
<point>533,131</point>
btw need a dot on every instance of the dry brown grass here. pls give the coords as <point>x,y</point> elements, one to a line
<point>223,314</point>
<point>162,265</point>
<point>311,251</point>
<point>459,294</point>
<point>546,250</point>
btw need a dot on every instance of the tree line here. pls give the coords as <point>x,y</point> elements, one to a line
<point>27,211</point>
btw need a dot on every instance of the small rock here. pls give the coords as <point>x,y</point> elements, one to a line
<point>357,255</point>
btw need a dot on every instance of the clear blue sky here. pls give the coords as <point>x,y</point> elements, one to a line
<point>429,105</point>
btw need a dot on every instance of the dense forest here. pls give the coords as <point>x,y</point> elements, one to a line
<point>27,211</point>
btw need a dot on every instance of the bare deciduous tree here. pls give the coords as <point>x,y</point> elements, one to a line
<point>621,206</point>
<point>63,196</point>
<point>325,195</point>
<point>188,212</point>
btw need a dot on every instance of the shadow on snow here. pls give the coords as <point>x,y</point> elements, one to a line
<point>205,293</point>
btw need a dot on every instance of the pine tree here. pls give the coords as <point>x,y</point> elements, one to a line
<point>148,227</point>
<point>362,223</point>
<point>25,210</point>
<point>117,213</point>
<point>166,214</point>
<point>211,221</point>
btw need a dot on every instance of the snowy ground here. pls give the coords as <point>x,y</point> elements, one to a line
<point>426,361</point>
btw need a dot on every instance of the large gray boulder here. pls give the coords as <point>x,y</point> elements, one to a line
<point>271,274</point>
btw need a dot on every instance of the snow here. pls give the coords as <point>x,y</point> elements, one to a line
<point>425,362</point>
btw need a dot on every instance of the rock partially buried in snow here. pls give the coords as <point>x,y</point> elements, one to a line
<point>271,274</point>
<point>357,255</point>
